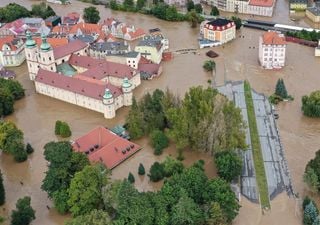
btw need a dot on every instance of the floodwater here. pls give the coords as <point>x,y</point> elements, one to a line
<point>36,114</point>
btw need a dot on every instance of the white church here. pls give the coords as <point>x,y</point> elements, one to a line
<point>68,74</point>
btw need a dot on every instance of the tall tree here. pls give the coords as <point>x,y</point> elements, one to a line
<point>229,165</point>
<point>190,5</point>
<point>91,15</point>
<point>2,191</point>
<point>85,189</point>
<point>135,121</point>
<point>214,11</point>
<point>310,214</point>
<point>95,217</point>
<point>216,216</point>
<point>12,12</point>
<point>198,8</point>
<point>281,89</point>
<point>140,4</point>
<point>311,178</point>
<point>6,102</point>
<point>24,213</point>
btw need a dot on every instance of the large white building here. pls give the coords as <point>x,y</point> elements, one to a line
<point>68,74</point>
<point>219,31</point>
<point>272,50</point>
<point>253,7</point>
<point>11,51</point>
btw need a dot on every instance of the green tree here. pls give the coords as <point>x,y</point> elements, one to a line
<point>209,65</point>
<point>172,166</point>
<point>159,141</point>
<point>198,8</point>
<point>114,5</point>
<point>24,213</point>
<point>194,18</point>
<point>216,216</point>
<point>19,153</point>
<point>316,221</point>
<point>91,15</point>
<point>128,4</point>
<point>141,170</point>
<point>135,121</point>
<point>311,179</point>
<point>190,5</point>
<point>65,130</point>
<point>311,104</point>
<point>6,102</point>
<point>140,4</point>
<point>228,164</point>
<point>57,127</point>
<point>156,172</point>
<point>95,217</point>
<point>281,89</point>
<point>2,191</point>
<point>110,194</point>
<point>60,200</point>
<point>237,21</point>
<point>29,148</point>
<point>214,11</point>
<point>131,178</point>
<point>85,189</point>
<point>310,214</point>
<point>14,87</point>
<point>186,212</point>
<point>42,10</point>
<point>12,12</point>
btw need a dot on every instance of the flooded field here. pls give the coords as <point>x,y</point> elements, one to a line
<point>36,114</point>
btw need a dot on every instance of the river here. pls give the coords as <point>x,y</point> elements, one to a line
<point>36,114</point>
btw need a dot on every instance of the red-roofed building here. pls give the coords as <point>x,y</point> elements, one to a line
<point>272,50</point>
<point>67,74</point>
<point>71,18</point>
<point>54,42</point>
<point>102,145</point>
<point>11,51</point>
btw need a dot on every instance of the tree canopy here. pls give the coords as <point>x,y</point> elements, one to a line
<point>214,11</point>
<point>13,11</point>
<point>311,104</point>
<point>24,213</point>
<point>95,217</point>
<point>2,191</point>
<point>42,10</point>
<point>159,141</point>
<point>228,164</point>
<point>91,15</point>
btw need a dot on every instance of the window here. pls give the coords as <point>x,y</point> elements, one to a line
<point>44,59</point>
<point>63,61</point>
<point>49,58</point>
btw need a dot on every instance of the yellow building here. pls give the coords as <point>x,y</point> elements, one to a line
<point>151,49</point>
<point>298,5</point>
<point>220,31</point>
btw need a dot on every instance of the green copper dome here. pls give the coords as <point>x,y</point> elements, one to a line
<point>126,83</point>
<point>107,94</point>
<point>45,46</point>
<point>30,42</point>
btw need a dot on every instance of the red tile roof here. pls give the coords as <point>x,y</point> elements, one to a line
<point>273,38</point>
<point>101,145</point>
<point>54,42</point>
<point>137,34</point>
<point>68,49</point>
<point>99,69</point>
<point>86,28</point>
<point>150,68</point>
<point>83,86</point>
<point>108,21</point>
<point>8,40</point>
<point>263,3</point>
<point>71,17</point>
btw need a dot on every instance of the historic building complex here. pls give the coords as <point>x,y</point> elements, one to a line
<point>272,50</point>
<point>68,74</point>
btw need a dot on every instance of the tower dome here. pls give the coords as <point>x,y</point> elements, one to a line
<point>126,83</point>
<point>30,43</point>
<point>107,94</point>
<point>45,46</point>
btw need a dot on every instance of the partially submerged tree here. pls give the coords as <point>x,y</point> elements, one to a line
<point>2,191</point>
<point>24,213</point>
<point>91,15</point>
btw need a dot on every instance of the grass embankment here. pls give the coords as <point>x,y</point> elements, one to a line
<point>256,149</point>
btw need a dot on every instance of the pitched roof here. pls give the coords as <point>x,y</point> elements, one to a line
<point>136,34</point>
<point>273,38</point>
<point>263,3</point>
<point>219,22</point>
<point>71,18</point>
<point>68,49</point>
<point>8,40</point>
<point>87,28</point>
<point>102,145</point>
<point>54,42</point>
<point>99,68</point>
<point>84,86</point>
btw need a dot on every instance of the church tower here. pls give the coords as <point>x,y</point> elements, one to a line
<point>31,52</point>
<point>127,92</point>
<point>46,57</point>
<point>108,101</point>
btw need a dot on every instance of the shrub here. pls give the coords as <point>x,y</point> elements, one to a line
<point>310,214</point>
<point>311,104</point>
<point>141,170</point>
<point>159,141</point>
<point>65,130</point>
<point>20,154</point>
<point>209,65</point>
<point>57,127</point>
<point>172,166</point>
<point>156,172</point>
<point>29,148</point>
<point>131,178</point>
<point>281,89</point>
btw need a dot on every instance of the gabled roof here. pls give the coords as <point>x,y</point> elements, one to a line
<point>263,3</point>
<point>87,28</point>
<point>273,38</point>
<point>54,42</point>
<point>138,33</point>
<point>80,85</point>
<point>102,145</point>
<point>68,49</point>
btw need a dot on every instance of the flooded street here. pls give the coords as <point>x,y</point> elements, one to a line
<point>36,114</point>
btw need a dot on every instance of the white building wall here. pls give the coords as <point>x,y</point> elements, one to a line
<point>272,56</point>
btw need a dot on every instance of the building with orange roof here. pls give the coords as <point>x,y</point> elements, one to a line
<point>11,51</point>
<point>104,146</point>
<point>272,50</point>
<point>54,42</point>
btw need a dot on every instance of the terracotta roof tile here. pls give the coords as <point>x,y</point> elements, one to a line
<point>273,38</point>
<point>137,34</point>
<point>69,48</point>
<point>101,145</point>
<point>8,40</point>
<point>263,3</point>
<point>54,42</point>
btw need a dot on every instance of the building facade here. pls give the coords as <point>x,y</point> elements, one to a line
<point>272,50</point>
<point>11,51</point>
<point>68,74</point>
<point>219,31</point>
<point>313,13</point>
<point>151,50</point>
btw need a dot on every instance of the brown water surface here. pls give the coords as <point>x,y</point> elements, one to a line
<point>36,114</point>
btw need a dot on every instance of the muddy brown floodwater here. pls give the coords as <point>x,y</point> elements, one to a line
<point>36,114</point>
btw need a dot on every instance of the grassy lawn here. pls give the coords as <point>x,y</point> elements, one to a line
<point>256,149</point>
